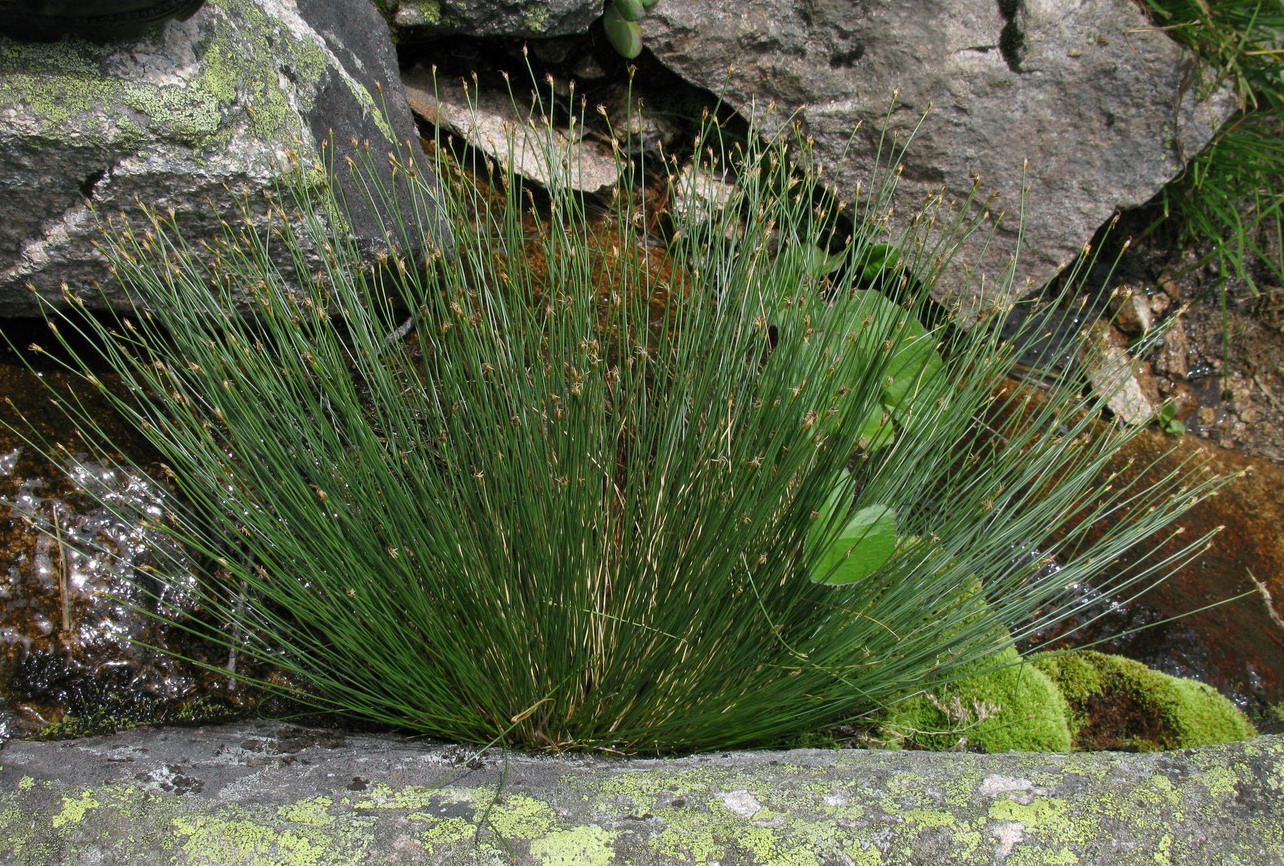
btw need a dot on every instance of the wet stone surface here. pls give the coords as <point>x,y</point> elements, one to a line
<point>81,572</point>
<point>1220,366</point>
<point>1220,618</point>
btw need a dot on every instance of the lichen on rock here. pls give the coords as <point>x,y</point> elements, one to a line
<point>262,793</point>
<point>194,116</point>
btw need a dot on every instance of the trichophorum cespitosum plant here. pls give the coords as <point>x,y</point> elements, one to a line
<point>680,472</point>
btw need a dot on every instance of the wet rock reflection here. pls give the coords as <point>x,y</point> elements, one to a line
<point>83,567</point>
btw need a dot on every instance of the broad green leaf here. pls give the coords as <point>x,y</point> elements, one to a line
<point>915,359</point>
<point>913,363</point>
<point>625,35</point>
<point>876,260</point>
<point>841,495</point>
<point>865,545</point>
<point>630,10</point>
<point>803,261</point>
<point>876,431</point>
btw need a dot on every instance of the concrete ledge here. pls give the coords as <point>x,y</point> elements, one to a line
<point>269,794</point>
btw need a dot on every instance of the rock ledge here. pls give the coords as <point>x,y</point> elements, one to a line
<point>266,792</point>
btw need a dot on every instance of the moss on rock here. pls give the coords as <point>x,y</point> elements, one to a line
<point>1012,707</point>
<point>84,91</point>
<point>1120,704</point>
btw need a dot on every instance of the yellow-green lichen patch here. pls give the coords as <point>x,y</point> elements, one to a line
<point>517,816</point>
<point>413,13</point>
<point>928,817</point>
<point>901,788</point>
<point>536,17</point>
<point>1051,830</point>
<point>48,101</point>
<point>716,832</point>
<point>864,854</point>
<point>913,825</point>
<point>579,846</point>
<point>648,790</point>
<point>245,842</point>
<point>246,69</point>
<point>1221,782</point>
<point>1151,803</point>
<point>313,813</point>
<point>713,814</point>
<point>74,809</point>
<point>63,812</point>
<point>187,114</point>
<point>1164,849</point>
<point>836,805</point>
<point>59,89</point>
<point>26,783</point>
<point>1039,811</point>
<point>375,110</point>
<point>966,842</point>
<point>412,797</point>
<point>447,832</point>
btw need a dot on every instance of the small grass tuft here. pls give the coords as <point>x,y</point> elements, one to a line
<point>1231,197</point>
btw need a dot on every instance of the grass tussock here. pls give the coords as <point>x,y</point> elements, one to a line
<point>1231,197</point>
<point>554,482</point>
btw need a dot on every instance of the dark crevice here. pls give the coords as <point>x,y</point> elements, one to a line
<point>1011,37</point>
<point>90,184</point>
<point>846,59</point>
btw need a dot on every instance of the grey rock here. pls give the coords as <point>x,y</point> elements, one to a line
<point>1134,312</point>
<point>490,18</point>
<point>1116,376</point>
<point>1105,107</point>
<point>514,137</point>
<point>270,793</point>
<point>192,117</point>
<point>699,196</point>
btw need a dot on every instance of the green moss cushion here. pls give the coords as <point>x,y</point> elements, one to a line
<point>1117,703</point>
<point>1016,706</point>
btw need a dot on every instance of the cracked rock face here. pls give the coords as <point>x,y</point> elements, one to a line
<point>191,117</point>
<point>1105,108</point>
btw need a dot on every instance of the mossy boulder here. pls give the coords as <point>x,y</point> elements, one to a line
<point>1081,700</point>
<point>191,117</point>
<point>1120,704</point>
<point>1014,706</point>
